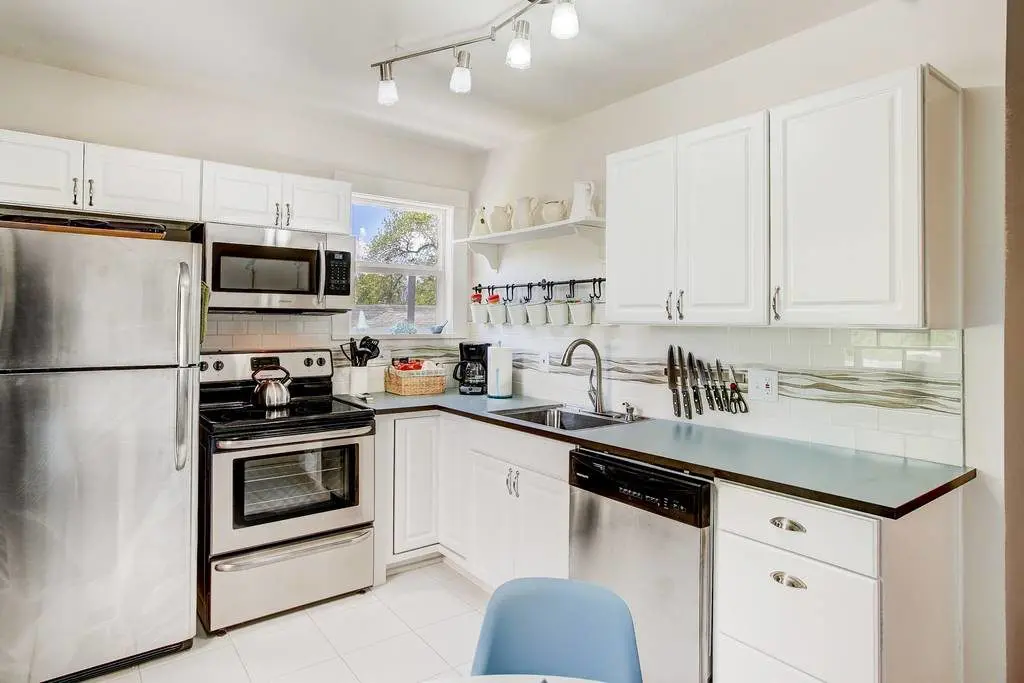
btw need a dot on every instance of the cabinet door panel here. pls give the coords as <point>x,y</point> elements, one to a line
<point>640,235</point>
<point>722,240</point>
<point>846,241</point>
<point>416,482</point>
<point>40,171</point>
<point>142,183</point>
<point>737,663</point>
<point>542,516</point>
<point>493,535</point>
<point>455,507</point>
<point>245,196</point>
<point>317,204</point>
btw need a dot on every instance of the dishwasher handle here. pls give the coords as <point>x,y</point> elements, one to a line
<point>678,496</point>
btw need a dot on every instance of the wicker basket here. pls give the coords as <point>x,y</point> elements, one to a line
<point>414,382</point>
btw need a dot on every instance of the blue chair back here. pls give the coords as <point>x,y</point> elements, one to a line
<point>558,627</point>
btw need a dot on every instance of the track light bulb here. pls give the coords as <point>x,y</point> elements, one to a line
<point>565,23</point>
<point>462,77</point>
<point>387,89</point>
<point>518,56</point>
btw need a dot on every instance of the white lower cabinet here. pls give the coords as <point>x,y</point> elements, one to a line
<point>737,663</point>
<point>417,449</point>
<point>455,500</point>
<point>494,536</point>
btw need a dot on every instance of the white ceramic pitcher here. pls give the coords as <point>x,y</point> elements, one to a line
<point>525,209</point>
<point>501,218</point>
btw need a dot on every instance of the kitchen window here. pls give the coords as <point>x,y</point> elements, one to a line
<point>403,254</point>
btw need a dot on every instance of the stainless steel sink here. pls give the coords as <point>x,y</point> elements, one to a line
<point>564,417</point>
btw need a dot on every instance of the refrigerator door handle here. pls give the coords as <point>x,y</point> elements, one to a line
<point>184,319</point>
<point>182,421</point>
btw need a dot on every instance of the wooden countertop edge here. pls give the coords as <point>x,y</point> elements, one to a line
<point>576,438</point>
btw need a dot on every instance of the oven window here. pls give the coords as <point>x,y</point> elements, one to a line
<point>277,487</point>
<point>248,268</point>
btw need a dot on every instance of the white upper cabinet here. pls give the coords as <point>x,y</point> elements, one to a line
<point>416,482</point>
<point>722,223</point>
<point>854,210</point>
<point>237,194</point>
<point>127,181</point>
<point>641,232</point>
<point>317,204</point>
<point>40,171</point>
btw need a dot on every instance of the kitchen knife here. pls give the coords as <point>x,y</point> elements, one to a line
<point>687,411</point>
<point>714,388</point>
<point>723,387</point>
<point>705,379</point>
<point>673,380</point>
<point>691,371</point>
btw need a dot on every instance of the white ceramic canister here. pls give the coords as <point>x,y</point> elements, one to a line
<point>558,313</point>
<point>517,314</point>
<point>537,313</point>
<point>478,314</point>
<point>497,313</point>
<point>581,313</point>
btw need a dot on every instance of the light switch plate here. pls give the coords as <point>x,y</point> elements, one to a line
<point>763,385</point>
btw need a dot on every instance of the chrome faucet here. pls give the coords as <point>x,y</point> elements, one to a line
<point>596,393</point>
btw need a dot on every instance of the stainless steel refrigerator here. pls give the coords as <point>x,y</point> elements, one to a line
<point>99,389</point>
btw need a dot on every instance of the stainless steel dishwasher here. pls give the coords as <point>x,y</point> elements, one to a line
<point>645,533</point>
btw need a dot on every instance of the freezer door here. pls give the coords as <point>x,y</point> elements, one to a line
<point>97,517</point>
<point>89,301</point>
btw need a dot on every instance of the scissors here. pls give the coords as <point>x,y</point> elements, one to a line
<point>737,404</point>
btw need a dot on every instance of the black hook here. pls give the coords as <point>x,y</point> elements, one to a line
<point>529,293</point>
<point>572,289</point>
<point>510,292</point>
<point>490,290</point>
<point>479,288</point>
<point>600,292</point>
<point>548,290</point>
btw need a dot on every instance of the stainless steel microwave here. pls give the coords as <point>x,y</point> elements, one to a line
<point>277,270</point>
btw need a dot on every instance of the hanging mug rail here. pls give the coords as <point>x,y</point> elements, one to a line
<point>546,287</point>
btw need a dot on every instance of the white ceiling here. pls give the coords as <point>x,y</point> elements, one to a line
<point>316,53</point>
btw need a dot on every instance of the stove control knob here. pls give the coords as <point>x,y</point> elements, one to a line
<point>321,361</point>
<point>204,366</point>
<point>308,362</point>
<point>218,365</point>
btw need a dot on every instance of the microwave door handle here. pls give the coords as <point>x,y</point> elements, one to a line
<point>321,247</point>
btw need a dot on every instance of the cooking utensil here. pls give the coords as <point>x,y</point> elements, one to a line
<point>271,392</point>
<point>687,410</point>
<point>691,371</point>
<point>706,382</point>
<point>716,393</point>
<point>735,395</point>
<point>673,381</point>
<point>724,387</point>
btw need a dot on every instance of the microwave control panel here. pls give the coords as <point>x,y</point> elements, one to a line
<point>339,273</point>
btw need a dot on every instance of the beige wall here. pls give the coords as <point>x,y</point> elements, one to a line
<point>963,38</point>
<point>1014,463</point>
<point>51,101</point>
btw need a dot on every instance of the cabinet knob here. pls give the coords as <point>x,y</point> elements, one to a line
<point>788,580</point>
<point>787,524</point>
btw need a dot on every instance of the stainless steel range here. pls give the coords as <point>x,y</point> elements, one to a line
<point>287,490</point>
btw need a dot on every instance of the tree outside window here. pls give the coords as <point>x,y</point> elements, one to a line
<point>400,266</point>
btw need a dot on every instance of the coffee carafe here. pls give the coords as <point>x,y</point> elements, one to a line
<point>471,371</point>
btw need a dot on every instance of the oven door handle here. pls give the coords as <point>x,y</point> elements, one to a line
<point>308,439</point>
<point>321,255</point>
<point>292,553</point>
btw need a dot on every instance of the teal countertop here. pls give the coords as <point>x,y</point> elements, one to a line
<point>883,485</point>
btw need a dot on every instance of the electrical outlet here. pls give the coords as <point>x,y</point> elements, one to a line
<point>763,385</point>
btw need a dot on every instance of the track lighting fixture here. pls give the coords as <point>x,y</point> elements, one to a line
<point>387,89</point>
<point>462,77</point>
<point>565,24</point>
<point>518,56</point>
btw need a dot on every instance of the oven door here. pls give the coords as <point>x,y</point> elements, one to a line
<point>255,269</point>
<point>263,491</point>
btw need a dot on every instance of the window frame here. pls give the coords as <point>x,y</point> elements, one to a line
<point>441,271</point>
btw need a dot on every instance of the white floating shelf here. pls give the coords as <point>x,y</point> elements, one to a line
<point>489,246</point>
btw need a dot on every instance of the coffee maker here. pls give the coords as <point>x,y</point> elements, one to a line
<point>471,372</point>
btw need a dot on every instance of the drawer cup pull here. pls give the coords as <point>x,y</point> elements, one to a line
<point>787,524</point>
<point>784,579</point>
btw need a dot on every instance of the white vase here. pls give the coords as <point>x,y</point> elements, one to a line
<point>478,314</point>
<point>558,313</point>
<point>581,313</point>
<point>517,314</point>
<point>497,313</point>
<point>537,314</point>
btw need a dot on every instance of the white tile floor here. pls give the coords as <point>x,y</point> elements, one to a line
<point>421,625</point>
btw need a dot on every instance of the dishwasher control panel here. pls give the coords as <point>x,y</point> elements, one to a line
<point>677,496</point>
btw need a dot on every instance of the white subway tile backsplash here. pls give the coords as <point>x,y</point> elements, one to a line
<point>881,359</point>
<point>216,343</point>
<point>260,327</point>
<point>232,327</point>
<point>906,422</point>
<point>864,337</point>
<point>288,326</point>
<point>318,325</point>
<point>879,442</point>
<point>937,450</point>
<point>825,357</point>
<point>947,339</point>
<point>863,417</point>
<point>246,342</point>
<point>791,355</point>
<point>904,339</point>
<point>810,336</point>
<point>947,427</point>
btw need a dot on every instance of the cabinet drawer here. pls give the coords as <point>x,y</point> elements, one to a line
<point>836,537</point>
<point>809,615</point>
<point>737,663</point>
<point>544,456</point>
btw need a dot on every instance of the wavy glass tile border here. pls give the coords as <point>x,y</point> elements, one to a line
<point>898,389</point>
